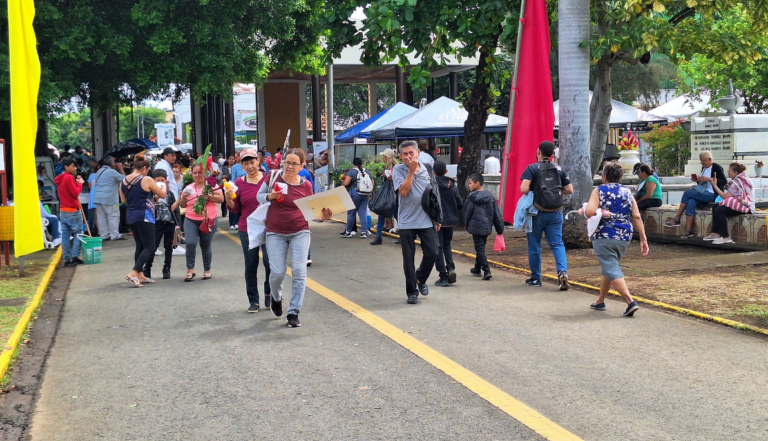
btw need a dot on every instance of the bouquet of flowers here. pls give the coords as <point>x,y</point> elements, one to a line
<point>273,162</point>
<point>629,142</point>
<point>211,183</point>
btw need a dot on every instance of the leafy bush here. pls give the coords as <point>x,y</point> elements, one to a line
<point>670,148</point>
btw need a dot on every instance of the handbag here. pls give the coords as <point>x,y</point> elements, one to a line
<point>383,202</point>
<point>206,226</point>
<point>257,221</point>
<point>743,204</point>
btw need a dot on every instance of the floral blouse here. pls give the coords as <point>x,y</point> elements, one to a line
<point>617,199</point>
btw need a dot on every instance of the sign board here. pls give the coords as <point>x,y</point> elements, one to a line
<point>246,121</point>
<point>2,155</point>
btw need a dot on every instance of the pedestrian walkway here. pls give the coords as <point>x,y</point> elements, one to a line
<point>185,361</point>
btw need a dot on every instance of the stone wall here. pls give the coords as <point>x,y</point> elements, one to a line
<point>748,231</point>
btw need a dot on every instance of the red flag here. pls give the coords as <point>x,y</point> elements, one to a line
<point>534,116</point>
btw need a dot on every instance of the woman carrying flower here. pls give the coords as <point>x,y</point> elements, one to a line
<point>200,200</point>
<point>737,199</point>
<point>614,234</point>
<point>287,229</point>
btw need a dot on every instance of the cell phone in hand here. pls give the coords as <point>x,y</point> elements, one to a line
<point>694,177</point>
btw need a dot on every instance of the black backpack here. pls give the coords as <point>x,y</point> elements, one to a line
<point>548,191</point>
<point>430,199</point>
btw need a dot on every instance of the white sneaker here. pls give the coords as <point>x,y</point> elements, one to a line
<point>710,237</point>
<point>722,240</point>
<point>237,228</point>
<point>179,251</point>
<point>56,242</point>
<point>158,252</point>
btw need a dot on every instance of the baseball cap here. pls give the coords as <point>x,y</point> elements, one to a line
<point>388,153</point>
<point>170,150</point>
<point>248,153</point>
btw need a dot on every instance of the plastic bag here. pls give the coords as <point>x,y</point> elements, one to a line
<point>383,202</point>
<point>499,245</point>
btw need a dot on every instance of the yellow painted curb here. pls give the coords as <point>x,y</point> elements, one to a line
<point>21,326</point>
<point>701,315</point>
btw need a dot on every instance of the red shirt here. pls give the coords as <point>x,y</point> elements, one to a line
<point>285,217</point>
<point>69,191</point>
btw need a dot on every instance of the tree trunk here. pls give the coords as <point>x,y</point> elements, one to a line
<point>573,67</point>
<point>476,105</point>
<point>600,112</point>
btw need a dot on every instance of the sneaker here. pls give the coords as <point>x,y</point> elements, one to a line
<point>598,307</point>
<point>475,272</point>
<point>348,235</point>
<point>293,321</point>
<point>67,263</point>
<point>77,261</point>
<point>276,307</point>
<point>158,252</point>
<point>267,300</point>
<point>364,235</point>
<point>711,237</point>
<point>376,241</point>
<point>121,237</point>
<point>423,289</point>
<point>722,240</point>
<point>237,228</point>
<point>562,278</point>
<point>451,277</point>
<point>179,251</point>
<point>254,308</point>
<point>231,227</point>
<point>309,261</point>
<point>442,282</point>
<point>631,309</point>
<point>688,235</point>
<point>672,223</point>
<point>533,282</point>
<point>487,275</point>
<point>56,242</point>
<point>166,273</point>
<point>413,299</point>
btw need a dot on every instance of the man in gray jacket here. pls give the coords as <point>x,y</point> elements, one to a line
<point>107,198</point>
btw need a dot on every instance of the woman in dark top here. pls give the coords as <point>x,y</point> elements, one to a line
<point>135,191</point>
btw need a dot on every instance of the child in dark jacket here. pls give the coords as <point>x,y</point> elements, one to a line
<point>452,204</point>
<point>481,216</point>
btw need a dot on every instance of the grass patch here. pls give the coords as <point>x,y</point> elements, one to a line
<point>756,311</point>
<point>14,287</point>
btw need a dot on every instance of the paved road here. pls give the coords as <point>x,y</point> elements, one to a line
<point>185,361</point>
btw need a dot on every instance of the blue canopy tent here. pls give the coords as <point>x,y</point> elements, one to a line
<point>443,117</point>
<point>363,129</point>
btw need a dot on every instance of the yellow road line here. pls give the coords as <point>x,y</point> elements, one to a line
<point>701,315</point>
<point>497,397</point>
<point>21,326</point>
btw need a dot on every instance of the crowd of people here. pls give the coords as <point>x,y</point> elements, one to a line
<point>158,206</point>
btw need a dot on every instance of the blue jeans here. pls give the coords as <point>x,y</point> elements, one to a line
<point>71,225</point>
<point>53,222</point>
<point>277,247</point>
<point>551,224</point>
<point>693,198</point>
<point>380,226</point>
<point>234,218</point>
<point>361,209</point>
<point>251,267</point>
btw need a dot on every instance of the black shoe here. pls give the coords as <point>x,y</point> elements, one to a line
<point>451,277</point>
<point>475,272</point>
<point>254,308</point>
<point>67,263</point>
<point>376,241</point>
<point>293,321</point>
<point>267,300</point>
<point>413,299</point>
<point>598,306</point>
<point>77,261</point>
<point>533,282</point>
<point>276,307</point>
<point>442,282</point>
<point>423,289</point>
<point>631,309</point>
<point>562,278</point>
<point>166,273</point>
<point>487,275</point>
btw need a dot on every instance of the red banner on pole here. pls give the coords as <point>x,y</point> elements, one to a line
<point>533,120</point>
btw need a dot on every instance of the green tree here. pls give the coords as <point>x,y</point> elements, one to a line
<point>71,128</point>
<point>147,118</point>
<point>432,30</point>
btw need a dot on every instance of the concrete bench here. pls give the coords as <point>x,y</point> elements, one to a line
<point>748,231</point>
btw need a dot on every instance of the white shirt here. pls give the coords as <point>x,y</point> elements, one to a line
<point>707,173</point>
<point>492,166</point>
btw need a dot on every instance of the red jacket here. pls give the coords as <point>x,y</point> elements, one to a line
<point>69,190</point>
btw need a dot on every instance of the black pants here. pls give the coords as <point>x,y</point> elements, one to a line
<point>144,236</point>
<point>414,276</point>
<point>481,261</point>
<point>224,209</point>
<point>444,262</point>
<point>649,203</point>
<point>720,215</point>
<point>164,231</point>
<point>251,267</point>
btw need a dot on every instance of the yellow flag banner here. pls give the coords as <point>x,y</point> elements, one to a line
<point>25,81</point>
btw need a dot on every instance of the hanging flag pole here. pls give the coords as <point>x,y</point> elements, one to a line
<point>25,82</point>
<point>512,96</point>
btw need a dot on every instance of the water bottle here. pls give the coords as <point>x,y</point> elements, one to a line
<point>230,186</point>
